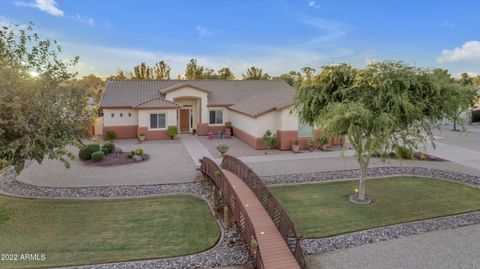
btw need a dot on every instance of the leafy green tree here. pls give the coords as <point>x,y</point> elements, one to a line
<point>466,79</point>
<point>162,70</point>
<point>92,86</point>
<point>309,73</point>
<point>120,75</point>
<point>293,78</point>
<point>255,73</point>
<point>39,115</point>
<point>225,73</point>
<point>380,107</point>
<point>194,71</point>
<point>142,71</point>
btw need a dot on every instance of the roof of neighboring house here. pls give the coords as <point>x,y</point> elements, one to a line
<point>250,97</point>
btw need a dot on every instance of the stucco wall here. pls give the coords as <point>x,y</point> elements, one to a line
<point>255,126</point>
<point>287,121</point>
<point>116,120</point>
<point>144,117</point>
<point>188,91</point>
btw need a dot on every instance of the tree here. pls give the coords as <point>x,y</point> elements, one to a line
<point>120,75</point>
<point>309,73</point>
<point>161,70</point>
<point>39,116</point>
<point>91,85</point>
<point>293,78</point>
<point>225,74</point>
<point>255,73</point>
<point>380,107</point>
<point>465,79</point>
<point>142,71</point>
<point>194,71</point>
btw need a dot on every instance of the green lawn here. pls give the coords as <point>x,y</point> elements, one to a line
<point>72,232</point>
<point>323,209</point>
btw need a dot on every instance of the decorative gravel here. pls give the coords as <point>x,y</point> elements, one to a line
<point>315,246</point>
<point>10,186</point>
<point>373,172</point>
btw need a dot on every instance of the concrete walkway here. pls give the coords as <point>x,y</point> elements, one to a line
<point>195,148</point>
<point>299,156</point>
<point>457,248</point>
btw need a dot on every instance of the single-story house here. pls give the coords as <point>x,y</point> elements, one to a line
<point>251,107</point>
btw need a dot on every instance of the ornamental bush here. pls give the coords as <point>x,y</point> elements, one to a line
<point>139,151</point>
<point>172,131</point>
<point>111,135</point>
<point>86,151</point>
<point>98,156</point>
<point>109,146</point>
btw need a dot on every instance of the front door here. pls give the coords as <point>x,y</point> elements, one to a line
<point>184,120</point>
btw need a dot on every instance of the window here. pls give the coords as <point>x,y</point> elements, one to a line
<point>121,115</point>
<point>304,129</point>
<point>113,115</point>
<point>129,114</point>
<point>216,117</point>
<point>157,121</point>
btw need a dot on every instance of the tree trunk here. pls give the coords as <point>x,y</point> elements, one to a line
<point>361,185</point>
<point>455,124</point>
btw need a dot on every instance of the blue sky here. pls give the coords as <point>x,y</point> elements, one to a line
<point>277,36</point>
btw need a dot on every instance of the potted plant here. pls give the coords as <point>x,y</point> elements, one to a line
<point>322,143</point>
<point>141,137</point>
<point>194,131</point>
<point>222,148</point>
<point>311,143</point>
<point>269,140</point>
<point>295,146</point>
<point>172,131</point>
<point>253,246</point>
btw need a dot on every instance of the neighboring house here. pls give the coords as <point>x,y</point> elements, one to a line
<point>131,107</point>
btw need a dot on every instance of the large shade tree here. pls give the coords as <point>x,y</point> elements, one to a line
<point>380,107</point>
<point>39,113</point>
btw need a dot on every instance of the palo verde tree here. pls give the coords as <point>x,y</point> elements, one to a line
<point>380,107</point>
<point>39,115</point>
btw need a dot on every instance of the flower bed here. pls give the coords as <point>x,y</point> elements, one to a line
<point>114,159</point>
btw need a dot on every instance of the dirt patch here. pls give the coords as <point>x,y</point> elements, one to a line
<point>117,159</point>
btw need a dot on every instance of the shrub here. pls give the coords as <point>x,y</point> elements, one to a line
<point>85,153</point>
<point>130,156</point>
<point>172,131</point>
<point>404,152</point>
<point>269,139</point>
<point>111,135</point>
<point>98,156</point>
<point>139,151</point>
<point>321,142</point>
<point>109,146</point>
<point>105,151</point>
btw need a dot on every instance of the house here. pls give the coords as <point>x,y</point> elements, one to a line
<point>132,107</point>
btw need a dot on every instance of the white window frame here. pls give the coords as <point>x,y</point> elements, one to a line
<point>223,117</point>
<point>158,128</point>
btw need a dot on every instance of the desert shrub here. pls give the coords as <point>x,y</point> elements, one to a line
<point>269,139</point>
<point>111,135</point>
<point>172,131</point>
<point>139,151</point>
<point>98,156</point>
<point>93,147</point>
<point>84,154</point>
<point>109,146</point>
<point>130,156</point>
<point>404,152</point>
<point>105,151</point>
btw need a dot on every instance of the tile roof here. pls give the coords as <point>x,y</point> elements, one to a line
<point>250,97</point>
<point>157,102</point>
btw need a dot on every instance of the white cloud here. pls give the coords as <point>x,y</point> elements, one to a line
<point>84,19</point>
<point>448,25</point>
<point>468,52</point>
<point>49,6</point>
<point>202,31</point>
<point>313,4</point>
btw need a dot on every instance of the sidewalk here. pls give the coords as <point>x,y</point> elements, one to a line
<point>195,148</point>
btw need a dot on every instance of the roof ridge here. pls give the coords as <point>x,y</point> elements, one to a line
<point>156,97</point>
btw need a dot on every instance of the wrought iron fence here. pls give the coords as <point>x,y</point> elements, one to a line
<point>274,209</point>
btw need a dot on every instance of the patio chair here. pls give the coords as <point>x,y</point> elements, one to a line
<point>211,134</point>
<point>227,133</point>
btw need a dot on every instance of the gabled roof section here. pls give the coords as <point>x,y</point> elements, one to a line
<point>183,85</point>
<point>156,102</point>
<point>250,97</point>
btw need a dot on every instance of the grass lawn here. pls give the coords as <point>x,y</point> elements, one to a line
<point>72,232</point>
<point>323,209</point>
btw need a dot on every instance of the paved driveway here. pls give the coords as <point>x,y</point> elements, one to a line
<point>457,248</point>
<point>169,163</point>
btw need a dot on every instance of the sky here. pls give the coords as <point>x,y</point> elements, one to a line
<point>277,36</point>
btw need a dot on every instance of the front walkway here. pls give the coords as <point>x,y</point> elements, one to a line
<point>457,248</point>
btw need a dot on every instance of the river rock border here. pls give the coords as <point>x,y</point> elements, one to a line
<point>467,179</point>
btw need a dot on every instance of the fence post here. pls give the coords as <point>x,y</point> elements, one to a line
<point>226,215</point>
<point>214,194</point>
